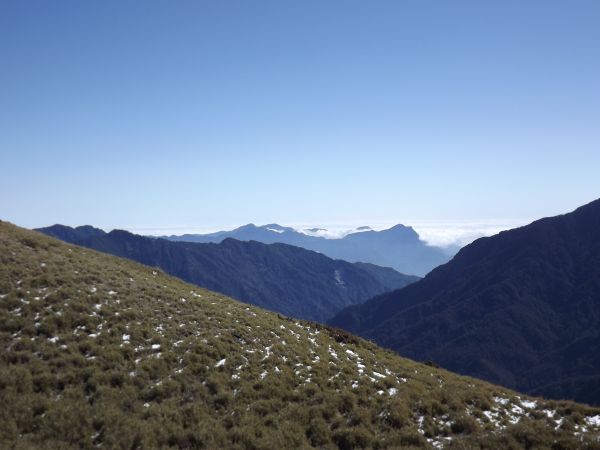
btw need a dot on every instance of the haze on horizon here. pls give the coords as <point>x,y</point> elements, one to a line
<point>435,233</point>
<point>210,115</point>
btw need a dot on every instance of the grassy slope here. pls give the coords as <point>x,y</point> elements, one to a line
<point>98,350</point>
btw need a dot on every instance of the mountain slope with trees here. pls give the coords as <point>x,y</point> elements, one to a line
<point>521,309</point>
<point>283,278</point>
<point>398,247</point>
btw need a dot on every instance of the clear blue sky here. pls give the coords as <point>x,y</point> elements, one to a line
<point>212,114</point>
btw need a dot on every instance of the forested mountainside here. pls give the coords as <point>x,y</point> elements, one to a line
<point>521,309</point>
<point>279,277</point>
<point>399,247</point>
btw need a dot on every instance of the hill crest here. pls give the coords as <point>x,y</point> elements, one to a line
<point>99,350</point>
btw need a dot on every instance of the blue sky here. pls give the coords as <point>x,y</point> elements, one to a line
<point>198,114</point>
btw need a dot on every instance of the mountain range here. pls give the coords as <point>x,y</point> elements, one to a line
<point>99,351</point>
<point>398,247</point>
<point>521,308</point>
<point>283,278</point>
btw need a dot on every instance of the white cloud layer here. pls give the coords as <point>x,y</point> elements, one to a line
<point>442,234</point>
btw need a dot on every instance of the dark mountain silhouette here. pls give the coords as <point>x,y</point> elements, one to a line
<point>398,247</point>
<point>279,277</point>
<point>521,308</point>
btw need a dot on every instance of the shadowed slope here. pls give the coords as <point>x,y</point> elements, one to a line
<point>398,247</point>
<point>521,308</point>
<point>279,277</point>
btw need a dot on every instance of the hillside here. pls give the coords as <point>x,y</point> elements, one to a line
<point>398,247</point>
<point>102,351</point>
<point>286,279</point>
<point>521,309</point>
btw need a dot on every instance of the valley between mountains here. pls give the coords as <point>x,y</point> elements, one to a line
<point>279,277</point>
<point>99,351</point>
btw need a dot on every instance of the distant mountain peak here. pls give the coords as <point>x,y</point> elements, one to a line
<point>90,229</point>
<point>285,278</point>
<point>399,246</point>
<point>248,226</point>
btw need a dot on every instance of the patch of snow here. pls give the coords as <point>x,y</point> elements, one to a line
<point>335,232</point>
<point>268,352</point>
<point>420,421</point>
<point>392,391</point>
<point>54,339</point>
<point>126,337</point>
<point>492,416</point>
<point>501,400</point>
<point>549,413</point>
<point>559,423</point>
<point>221,362</point>
<point>338,278</point>
<point>593,421</point>
<point>155,346</point>
<point>528,404</point>
<point>516,409</point>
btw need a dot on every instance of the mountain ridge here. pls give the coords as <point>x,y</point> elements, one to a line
<point>398,247</point>
<point>290,280</point>
<point>535,288</point>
